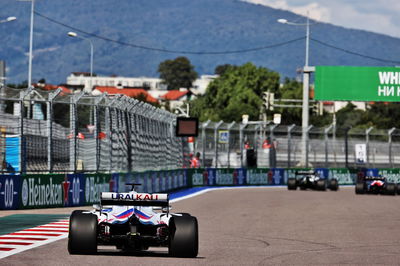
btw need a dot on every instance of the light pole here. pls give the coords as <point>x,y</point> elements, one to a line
<point>30,41</point>
<point>75,35</point>
<point>3,78</point>
<point>8,19</point>
<point>306,85</point>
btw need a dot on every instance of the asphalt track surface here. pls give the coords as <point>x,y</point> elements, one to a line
<point>265,226</point>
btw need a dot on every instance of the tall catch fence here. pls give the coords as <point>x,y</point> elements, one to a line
<point>264,144</point>
<point>59,131</point>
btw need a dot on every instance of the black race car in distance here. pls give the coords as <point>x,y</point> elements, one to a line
<point>311,180</point>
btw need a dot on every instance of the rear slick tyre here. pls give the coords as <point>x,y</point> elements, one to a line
<point>360,188</point>
<point>292,184</point>
<point>333,185</point>
<point>321,185</point>
<point>391,189</point>
<point>82,238</point>
<point>184,238</point>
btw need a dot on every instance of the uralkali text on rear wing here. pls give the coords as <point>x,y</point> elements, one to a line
<point>134,199</point>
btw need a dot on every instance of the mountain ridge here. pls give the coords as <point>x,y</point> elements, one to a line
<point>181,25</point>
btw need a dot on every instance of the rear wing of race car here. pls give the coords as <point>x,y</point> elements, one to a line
<point>305,172</point>
<point>134,199</point>
<point>375,178</point>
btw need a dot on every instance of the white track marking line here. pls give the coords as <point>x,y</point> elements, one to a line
<point>220,188</point>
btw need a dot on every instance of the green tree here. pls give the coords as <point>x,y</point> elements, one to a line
<point>348,117</point>
<point>22,85</point>
<point>221,69</point>
<point>382,115</point>
<point>238,91</point>
<point>177,73</point>
<point>291,89</point>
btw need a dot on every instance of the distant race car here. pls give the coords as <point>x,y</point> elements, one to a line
<point>133,222</point>
<point>375,185</point>
<point>311,180</point>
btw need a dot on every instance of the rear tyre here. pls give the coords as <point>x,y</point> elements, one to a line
<point>82,238</point>
<point>321,185</point>
<point>360,188</point>
<point>391,189</point>
<point>333,184</point>
<point>292,184</point>
<point>184,237</point>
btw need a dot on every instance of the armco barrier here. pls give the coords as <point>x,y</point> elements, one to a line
<point>260,176</point>
<point>67,190</point>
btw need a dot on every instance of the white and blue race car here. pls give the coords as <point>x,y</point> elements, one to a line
<point>133,222</point>
<point>375,185</point>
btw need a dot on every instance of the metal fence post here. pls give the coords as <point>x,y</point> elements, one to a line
<point>110,109</point>
<point>272,152</point>
<point>203,139</point>
<point>241,128</point>
<point>96,128</point>
<point>346,146</point>
<point>307,142</point>
<point>49,104</point>
<point>230,126</point>
<point>256,137</point>
<point>289,143</point>
<point>367,142</point>
<point>130,116</point>
<point>124,104</point>
<point>390,132</point>
<point>216,141</point>
<point>22,161</point>
<point>326,132</point>
<point>73,127</point>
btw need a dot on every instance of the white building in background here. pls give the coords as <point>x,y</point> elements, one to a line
<point>200,85</point>
<point>154,85</point>
<point>83,78</point>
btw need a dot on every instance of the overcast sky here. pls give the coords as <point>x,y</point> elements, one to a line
<point>381,16</point>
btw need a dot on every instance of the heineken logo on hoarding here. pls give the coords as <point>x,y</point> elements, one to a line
<point>36,193</point>
<point>224,178</point>
<point>258,177</point>
<point>94,186</point>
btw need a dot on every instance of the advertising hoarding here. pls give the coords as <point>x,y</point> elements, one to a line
<point>349,83</point>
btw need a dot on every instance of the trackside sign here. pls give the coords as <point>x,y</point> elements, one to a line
<point>347,83</point>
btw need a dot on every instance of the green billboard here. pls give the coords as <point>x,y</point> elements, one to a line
<point>348,83</point>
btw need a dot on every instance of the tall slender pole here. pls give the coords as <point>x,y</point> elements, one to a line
<point>306,85</point>
<point>307,39</point>
<point>346,146</point>
<point>31,45</point>
<point>305,111</point>
<point>91,63</point>
<point>91,81</point>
